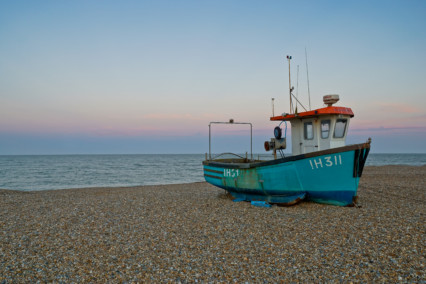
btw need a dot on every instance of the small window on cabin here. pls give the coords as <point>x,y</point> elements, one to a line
<point>309,131</point>
<point>339,130</point>
<point>325,129</point>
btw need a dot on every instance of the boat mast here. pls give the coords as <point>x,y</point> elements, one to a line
<point>307,76</point>
<point>289,84</point>
<point>297,84</point>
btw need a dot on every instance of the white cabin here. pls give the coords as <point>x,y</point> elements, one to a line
<point>319,129</point>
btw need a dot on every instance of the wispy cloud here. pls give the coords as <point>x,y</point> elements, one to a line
<point>179,116</point>
<point>168,116</point>
<point>382,128</point>
<point>399,107</point>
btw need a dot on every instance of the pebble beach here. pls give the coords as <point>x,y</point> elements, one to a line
<point>195,233</point>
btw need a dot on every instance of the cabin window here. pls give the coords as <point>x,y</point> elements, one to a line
<point>309,131</point>
<point>339,130</point>
<point>325,128</point>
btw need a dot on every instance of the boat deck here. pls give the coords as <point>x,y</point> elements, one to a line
<point>245,163</point>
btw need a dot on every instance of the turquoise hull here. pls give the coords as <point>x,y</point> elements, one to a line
<point>330,176</point>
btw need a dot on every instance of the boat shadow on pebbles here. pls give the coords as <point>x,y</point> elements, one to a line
<point>225,195</point>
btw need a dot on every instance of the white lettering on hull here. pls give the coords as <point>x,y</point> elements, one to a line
<point>327,161</point>
<point>231,172</point>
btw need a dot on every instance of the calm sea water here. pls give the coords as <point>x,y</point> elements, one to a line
<point>75,171</point>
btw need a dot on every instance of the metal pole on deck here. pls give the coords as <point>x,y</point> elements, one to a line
<point>231,121</point>
<point>210,142</point>
<point>289,84</point>
<point>251,141</point>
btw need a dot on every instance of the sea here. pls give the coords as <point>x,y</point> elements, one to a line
<point>47,172</point>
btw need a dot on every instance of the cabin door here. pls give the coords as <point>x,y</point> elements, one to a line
<point>309,137</point>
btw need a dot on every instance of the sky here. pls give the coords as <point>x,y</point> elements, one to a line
<point>129,77</point>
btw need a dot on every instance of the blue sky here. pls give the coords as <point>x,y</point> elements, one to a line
<point>81,77</point>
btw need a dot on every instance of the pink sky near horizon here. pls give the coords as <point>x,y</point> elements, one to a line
<point>113,119</point>
<point>187,124</point>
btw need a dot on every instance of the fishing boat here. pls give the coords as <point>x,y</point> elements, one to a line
<point>321,168</point>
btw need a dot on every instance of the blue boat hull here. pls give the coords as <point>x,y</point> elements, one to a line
<point>330,177</point>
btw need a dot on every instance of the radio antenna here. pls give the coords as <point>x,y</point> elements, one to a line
<point>307,76</point>
<point>297,84</point>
